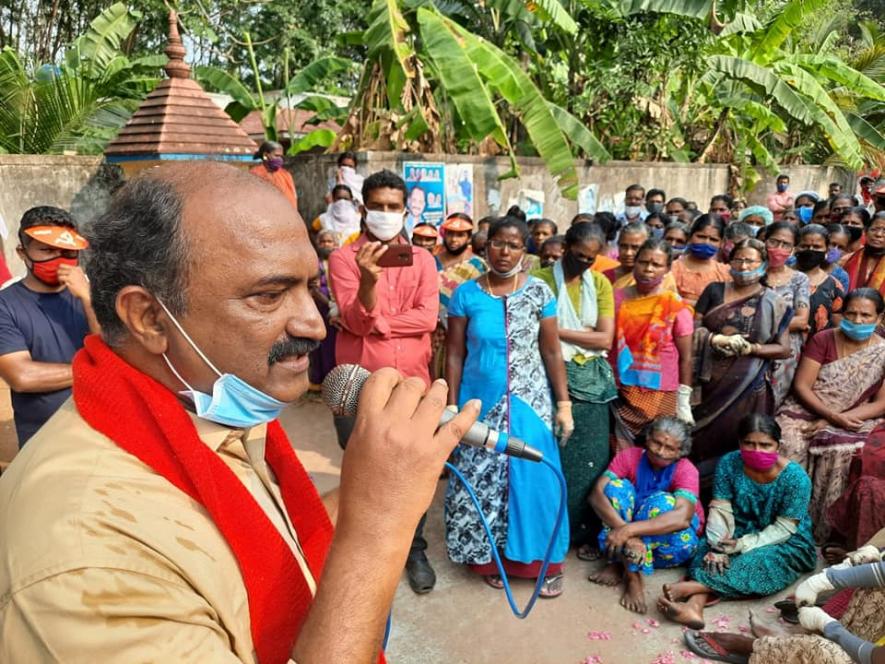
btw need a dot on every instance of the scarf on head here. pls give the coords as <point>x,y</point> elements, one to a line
<point>147,420</point>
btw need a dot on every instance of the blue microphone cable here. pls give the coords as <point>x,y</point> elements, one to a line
<point>560,515</point>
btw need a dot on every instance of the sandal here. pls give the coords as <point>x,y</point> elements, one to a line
<point>552,587</point>
<point>494,580</point>
<point>588,553</point>
<point>833,553</point>
<point>704,645</point>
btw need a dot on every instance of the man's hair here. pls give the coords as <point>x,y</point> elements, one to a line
<point>725,198</point>
<point>344,156</point>
<point>678,199</point>
<point>839,184</point>
<point>656,192</point>
<point>783,176</point>
<point>383,179</point>
<point>635,187</point>
<point>44,215</point>
<point>138,241</point>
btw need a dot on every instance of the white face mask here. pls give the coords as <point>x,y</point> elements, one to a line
<point>344,217</point>
<point>384,225</point>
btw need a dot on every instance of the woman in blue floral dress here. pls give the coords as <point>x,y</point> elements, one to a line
<point>758,528</point>
<point>503,348</point>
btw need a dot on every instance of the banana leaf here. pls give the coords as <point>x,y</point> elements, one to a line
<point>316,72</point>
<point>101,42</point>
<point>790,17</point>
<point>219,80</point>
<point>318,138</point>
<point>689,8</point>
<point>836,70</point>
<point>552,11</point>
<point>579,135</point>
<point>386,38</point>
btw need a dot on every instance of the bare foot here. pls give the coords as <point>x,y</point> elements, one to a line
<point>679,591</point>
<point>633,598</point>
<point>760,628</point>
<point>610,575</point>
<point>682,613</point>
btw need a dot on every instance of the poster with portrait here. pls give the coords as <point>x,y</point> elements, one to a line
<point>459,189</point>
<point>426,187</point>
<point>532,203</point>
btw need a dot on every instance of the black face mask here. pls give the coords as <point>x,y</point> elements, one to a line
<point>808,259</point>
<point>874,251</point>
<point>880,202</point>
<point>854,232</point>
<point>573,265</point>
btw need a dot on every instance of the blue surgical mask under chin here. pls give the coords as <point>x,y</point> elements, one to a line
<point>857,331</point>
<point>744,278</point>
<point>233,402</point>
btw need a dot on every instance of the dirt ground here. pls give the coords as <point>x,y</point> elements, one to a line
<point>463,621</point>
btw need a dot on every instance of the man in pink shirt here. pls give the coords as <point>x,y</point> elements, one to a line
<point>780,200</point>
<point>387,313</point>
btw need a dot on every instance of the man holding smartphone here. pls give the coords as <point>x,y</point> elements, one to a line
<point>388,300</point>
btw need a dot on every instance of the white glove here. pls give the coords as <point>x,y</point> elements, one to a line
<point>810,588</point>
<point>683,404</point>
<point>731,344</point>
<point>814,619</point>
<point>564,422</point>
<point>452,408</point>
<point>865,555</point>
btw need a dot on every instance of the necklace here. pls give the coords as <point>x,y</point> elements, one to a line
<point>491,291</point>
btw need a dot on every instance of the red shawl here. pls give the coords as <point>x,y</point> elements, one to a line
<point>144,418</point>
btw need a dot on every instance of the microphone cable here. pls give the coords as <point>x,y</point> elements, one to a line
<point>563,498</point>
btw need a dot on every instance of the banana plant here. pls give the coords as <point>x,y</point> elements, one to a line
<point>430,84</point>
<point>80,104</point>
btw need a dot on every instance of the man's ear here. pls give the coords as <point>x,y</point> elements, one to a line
<point>142,315</point>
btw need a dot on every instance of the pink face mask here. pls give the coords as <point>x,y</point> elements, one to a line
<point>778,257</point>
<point>759,460</point>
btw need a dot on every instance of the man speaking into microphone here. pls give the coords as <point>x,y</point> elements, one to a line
<point>161,514</point>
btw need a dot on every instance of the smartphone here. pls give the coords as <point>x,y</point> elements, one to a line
<point>397,255</point>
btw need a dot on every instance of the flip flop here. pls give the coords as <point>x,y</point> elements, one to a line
<point>494,581</point>
<point>700,643</point>
<point>552,587</point>
<point>588,553</point>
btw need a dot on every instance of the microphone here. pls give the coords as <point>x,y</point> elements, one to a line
<point>341,393</point>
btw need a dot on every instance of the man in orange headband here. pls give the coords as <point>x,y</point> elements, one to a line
<point>44,318</point>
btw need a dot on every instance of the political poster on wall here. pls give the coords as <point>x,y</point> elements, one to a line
<point>426,187</point>
<point>459,189</point>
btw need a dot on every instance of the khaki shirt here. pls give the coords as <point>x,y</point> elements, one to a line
<point>103,560</point>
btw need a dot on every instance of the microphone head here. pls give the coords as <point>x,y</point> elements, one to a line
<point>342,387</point>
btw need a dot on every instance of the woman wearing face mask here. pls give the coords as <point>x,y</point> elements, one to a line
<point>322,360</point>
<point>341,217</point>
<point>826,291</point>
<point>698,266</point>
<point>503,347</point>
<point>585,313</point>
<point>734,233</point>
<point>758,529</point>
<point>652,350</point>
<point>676,235</point>
<point>630,240</point>
<point>836,245</point>
<point>866,267</point>
<point>854,221</point>
<point>838,399</point>
<point>757,217</point>
<point>794,288</point>
<point>655,223</point>
<point>271,169</point>
<point>804,206</point>
<point>740,330</point>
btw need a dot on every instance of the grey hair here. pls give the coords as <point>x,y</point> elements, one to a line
<point>635,228</point>
<point>673,426</point>
<point>138,241</point>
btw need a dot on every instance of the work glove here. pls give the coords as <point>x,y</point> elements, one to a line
<point>683,404</point>
<point>810,588</point>
<point>814,619</point>
<point>731,345</point>
<point>564,422</point>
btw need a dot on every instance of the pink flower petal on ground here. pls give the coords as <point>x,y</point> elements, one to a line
<point>646,630</point>
<point>744,629</point>
<point>665,658</point>
<point>592,659</point>
<point>637,625</point>
<point>770,609</point>
<point>652,622</point>
<point>599,636</point>
<point>688,654</point>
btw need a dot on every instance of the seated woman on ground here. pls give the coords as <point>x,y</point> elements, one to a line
<point>838,399</point>
<point>758,532</point>
<point>648,503</point>
<point>856,637</point>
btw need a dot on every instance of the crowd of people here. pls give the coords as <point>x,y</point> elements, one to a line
<point>709,383</point>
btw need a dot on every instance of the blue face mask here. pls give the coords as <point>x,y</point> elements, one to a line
<point>655,232</point>
<point>857,331</point>
<point>804,214</point>
<point>742,278</point>
<point>233,403</point>
<point>702,250</point>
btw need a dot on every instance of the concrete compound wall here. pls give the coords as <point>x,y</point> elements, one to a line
<point>697,182</point>
<point>84,184</point>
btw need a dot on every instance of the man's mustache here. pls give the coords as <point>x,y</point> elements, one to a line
<point>293,346</point>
